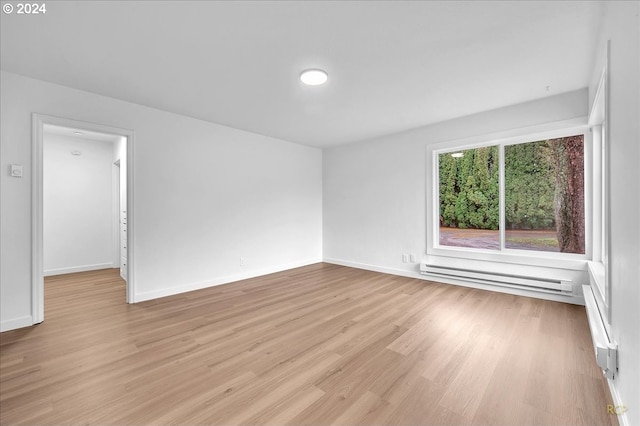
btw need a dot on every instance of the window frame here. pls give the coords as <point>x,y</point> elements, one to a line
<point>599,270</point>
<point>510,255</point>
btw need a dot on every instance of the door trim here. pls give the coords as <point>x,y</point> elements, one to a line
<point>38,122</point>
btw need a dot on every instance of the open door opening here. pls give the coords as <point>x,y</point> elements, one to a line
<point>81,220</point>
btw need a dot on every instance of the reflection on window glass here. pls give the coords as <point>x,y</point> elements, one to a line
<point>469,198</point>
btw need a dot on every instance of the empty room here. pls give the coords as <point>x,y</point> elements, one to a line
<point>320,213</point>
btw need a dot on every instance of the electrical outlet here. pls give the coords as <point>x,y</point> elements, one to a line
<point>405,258</point>
<point>243,261</point>
<point>413,258</point>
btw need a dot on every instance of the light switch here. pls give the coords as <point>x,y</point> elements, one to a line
<point>16,170</point>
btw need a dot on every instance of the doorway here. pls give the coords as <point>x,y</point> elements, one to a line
<point>113,234</point>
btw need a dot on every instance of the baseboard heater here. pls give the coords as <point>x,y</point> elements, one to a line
<point>605,350</point>
<point>561,286</point>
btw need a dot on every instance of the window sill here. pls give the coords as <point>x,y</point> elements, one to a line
<point>596,276</point>
<point>573,262</point>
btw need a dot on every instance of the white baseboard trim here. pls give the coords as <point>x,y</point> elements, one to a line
<point>575,300</point>
<point>623,420</point>
<point>374,268</point>
<point>15,323</point>
<point>83,268</point>
<point>170,291</point>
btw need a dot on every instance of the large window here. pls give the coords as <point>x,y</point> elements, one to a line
<point>528,195</point>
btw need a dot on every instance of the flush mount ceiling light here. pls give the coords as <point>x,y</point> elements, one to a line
<point>77,133</point>
<point>314,77</point>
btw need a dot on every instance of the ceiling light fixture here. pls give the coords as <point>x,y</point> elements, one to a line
<point>314,77</point>
<point>77,133</point>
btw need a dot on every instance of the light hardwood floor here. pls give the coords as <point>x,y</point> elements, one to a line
<point>317,345</point>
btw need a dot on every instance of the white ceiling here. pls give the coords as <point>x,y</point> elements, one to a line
<point>393,65</point>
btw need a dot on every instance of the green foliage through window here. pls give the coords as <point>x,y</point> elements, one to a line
<point>529,186</point>
<point>469,189</point>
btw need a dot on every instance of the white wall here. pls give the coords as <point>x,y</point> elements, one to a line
<point>375,191</point>
<point>205,195</point>
<point>621,26</point>
<point>78,205</point>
